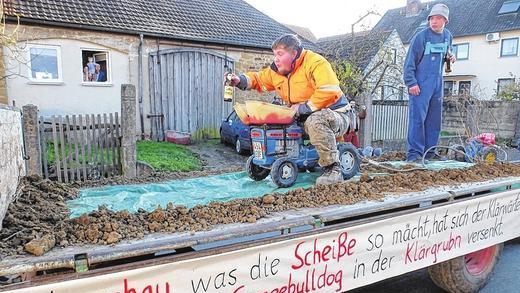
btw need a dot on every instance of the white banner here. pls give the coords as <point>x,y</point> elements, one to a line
<point>328,262</point>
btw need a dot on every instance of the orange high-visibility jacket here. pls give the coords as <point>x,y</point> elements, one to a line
<point>312,80</point>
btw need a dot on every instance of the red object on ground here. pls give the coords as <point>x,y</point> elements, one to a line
<point>177,137</point>
<point>485,138</point>
<point>352,137</point>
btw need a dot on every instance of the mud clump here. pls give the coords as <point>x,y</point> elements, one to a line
<point>39,213</point>
<point>41,246</point>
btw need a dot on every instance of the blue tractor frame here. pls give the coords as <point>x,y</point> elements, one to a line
<point>280,151</point>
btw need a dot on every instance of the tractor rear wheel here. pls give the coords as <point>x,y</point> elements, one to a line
<point>489,154</point>
<point>254,171</point>
<point>467,273</point>
<point>457,153</point>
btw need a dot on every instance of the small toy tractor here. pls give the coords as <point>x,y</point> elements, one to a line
<point>479,148</point>
<point>279,151</point>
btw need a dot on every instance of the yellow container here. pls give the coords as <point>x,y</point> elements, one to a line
<point>266,113</point>
<point>240,109</point>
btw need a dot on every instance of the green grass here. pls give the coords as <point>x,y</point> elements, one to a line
<point>165,156</point>
<point>97,154</point>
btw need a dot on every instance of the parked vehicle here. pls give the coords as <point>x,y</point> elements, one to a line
<point>236,133</point>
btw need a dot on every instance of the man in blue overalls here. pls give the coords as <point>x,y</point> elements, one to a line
<point>423,70</point>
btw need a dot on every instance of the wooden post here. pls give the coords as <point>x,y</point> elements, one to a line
<point>31,135</point>
<point>128,132</point>
<point>365,133</point>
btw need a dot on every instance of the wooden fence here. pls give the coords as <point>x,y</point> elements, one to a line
<point>80,147</point>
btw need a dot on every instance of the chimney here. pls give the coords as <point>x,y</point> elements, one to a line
<point>413,7</point>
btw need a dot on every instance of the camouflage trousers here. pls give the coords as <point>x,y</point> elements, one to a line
<point>323,127</point>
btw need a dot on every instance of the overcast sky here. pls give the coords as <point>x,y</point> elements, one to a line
<point>325,17</point>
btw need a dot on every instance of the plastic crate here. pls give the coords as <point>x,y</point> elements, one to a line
<point>177,137</point>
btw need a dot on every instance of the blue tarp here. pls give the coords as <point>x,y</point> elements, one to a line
<point>190,192</point>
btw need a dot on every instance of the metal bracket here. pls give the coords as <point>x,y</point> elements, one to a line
<point>81,263</point>
<point>318,223</point>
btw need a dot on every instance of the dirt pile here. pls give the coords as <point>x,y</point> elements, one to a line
<point>42,213</point>
<point>39,211</point>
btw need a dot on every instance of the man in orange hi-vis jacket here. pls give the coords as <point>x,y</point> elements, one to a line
<point>306,82</point>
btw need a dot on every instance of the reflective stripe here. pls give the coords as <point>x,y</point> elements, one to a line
<point>312,106</point>
<point>249,83</point>
<point>330,87</point>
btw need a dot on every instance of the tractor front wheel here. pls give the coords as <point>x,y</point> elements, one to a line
<point>349,160</point>
<point>284,172</point>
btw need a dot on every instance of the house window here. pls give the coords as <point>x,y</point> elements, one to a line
<point>448,88</point>
<point>461,51</point>
<point>509,7</point>
<point>464,88</point>
<point>394,56</point>
<point>509,47</point>
<point>95,66</point>
<point>503,83</point>
<point>44,63</point>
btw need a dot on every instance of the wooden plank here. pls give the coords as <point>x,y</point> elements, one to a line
<point>106,151</point>
<point>88,132</point>
<point>203,108</point>
<point>57,163</point>
<point>164,95</point>
<point>169,119</point>
<point>177,95</point>
<point>211,91</point>
<point>99,144</point>
<point>62,147</point>
<point>113,144</point>
<point>197,120</point>
<point>153,95</point>
<point>70,156</point>
<point>184,96</point>
<point>118,143</point>
<point>76,147</point>
<point>83,142</point>
<point>43,145</point>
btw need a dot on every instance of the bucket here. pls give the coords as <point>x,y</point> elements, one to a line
<point>177,137</point>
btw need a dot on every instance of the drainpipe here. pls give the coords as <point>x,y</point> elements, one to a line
<point>141,83</point>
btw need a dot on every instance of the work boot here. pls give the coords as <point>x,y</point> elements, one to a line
<point>332,174</point>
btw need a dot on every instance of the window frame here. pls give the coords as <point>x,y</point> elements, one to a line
<point>457,51</point>
<point>501,11</point>
<point>503,79</point>
<point>502,47</point>
<point>108,71</point>
<point>452,88</point>
<point>459,87</point>
<point>33,80</point>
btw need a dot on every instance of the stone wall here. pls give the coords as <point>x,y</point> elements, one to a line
<point>499,117</point>
<point>12,165</point>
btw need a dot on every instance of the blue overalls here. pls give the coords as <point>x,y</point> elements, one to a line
<point>423,66</point>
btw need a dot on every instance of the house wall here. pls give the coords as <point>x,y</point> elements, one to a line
<point>393,76</point>
<point>485,65</point>
<point>73,97</point>
<point>3,84</point>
